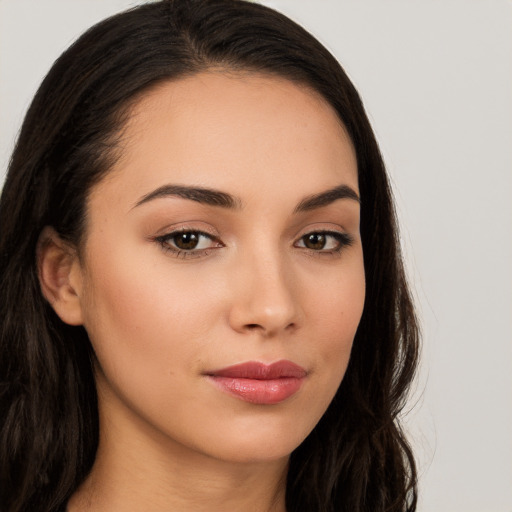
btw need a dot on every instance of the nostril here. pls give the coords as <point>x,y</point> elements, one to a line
<point>257,327</point>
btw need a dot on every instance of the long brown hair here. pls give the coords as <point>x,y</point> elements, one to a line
<point>357,458</point>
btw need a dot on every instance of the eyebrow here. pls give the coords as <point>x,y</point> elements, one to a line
<point>199,194</point>
<point>214,197</point>
<point>325,198</point>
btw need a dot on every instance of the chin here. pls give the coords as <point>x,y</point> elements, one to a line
<point>264,442</point>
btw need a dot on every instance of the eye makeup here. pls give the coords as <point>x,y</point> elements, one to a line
<point>187,242</point>
<point>325,242</point>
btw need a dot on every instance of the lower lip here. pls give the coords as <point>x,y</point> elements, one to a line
<point>263,392</point>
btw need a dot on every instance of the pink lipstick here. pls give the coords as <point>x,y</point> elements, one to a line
<point>259,383</point>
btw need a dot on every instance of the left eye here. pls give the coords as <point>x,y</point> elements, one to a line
<point>187,240</point>
<point>324,241</point>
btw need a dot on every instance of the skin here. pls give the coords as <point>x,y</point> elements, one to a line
<point>159,320</point>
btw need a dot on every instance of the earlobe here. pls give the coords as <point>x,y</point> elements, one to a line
<point>60,276</point>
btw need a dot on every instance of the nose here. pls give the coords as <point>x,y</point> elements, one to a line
<point>266,300</point>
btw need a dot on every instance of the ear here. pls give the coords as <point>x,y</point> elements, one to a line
<point>60,276</point>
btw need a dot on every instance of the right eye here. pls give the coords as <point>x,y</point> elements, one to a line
<point>188,243</point>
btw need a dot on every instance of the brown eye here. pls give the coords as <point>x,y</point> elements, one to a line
<point>315,241</point>
<point>325,242</point>
<point>186,241</point>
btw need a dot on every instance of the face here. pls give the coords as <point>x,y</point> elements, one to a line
<point>222,280</point>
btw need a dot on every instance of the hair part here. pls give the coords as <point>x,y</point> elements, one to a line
<point>357,457</point>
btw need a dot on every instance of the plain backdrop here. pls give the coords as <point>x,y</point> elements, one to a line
<point>436,79</point>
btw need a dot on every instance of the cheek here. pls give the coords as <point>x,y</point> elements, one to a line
<point>337,305</point>
<point>334,307</point>
<point>142,320</point>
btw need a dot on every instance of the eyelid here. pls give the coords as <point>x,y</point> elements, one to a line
<point>196,227</point>
<point>344,238</point>
<point>173,231</point>
<point>323,227</point>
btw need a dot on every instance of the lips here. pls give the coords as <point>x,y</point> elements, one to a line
<point>259,383</point>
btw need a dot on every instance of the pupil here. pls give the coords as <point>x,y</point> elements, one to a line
<point>186,240</point>
<point>315,241</point>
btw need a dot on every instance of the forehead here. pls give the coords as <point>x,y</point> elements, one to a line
<point>235,131</point>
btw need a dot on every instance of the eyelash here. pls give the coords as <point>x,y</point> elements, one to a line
<point>164,242</point>
<point>343,240</point>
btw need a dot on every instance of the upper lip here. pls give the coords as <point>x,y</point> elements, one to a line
<point>261,371</point>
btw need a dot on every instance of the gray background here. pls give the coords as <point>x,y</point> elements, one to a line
<point>436,78</point>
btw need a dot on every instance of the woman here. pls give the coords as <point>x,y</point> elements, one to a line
<point>203,301</point>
